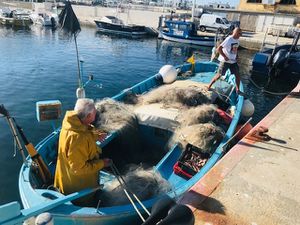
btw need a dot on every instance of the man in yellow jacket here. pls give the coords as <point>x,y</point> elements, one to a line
<point>78,162</point>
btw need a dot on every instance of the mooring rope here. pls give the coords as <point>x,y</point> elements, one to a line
<point>268,92</point>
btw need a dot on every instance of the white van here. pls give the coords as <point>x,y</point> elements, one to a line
<point>213,23</point>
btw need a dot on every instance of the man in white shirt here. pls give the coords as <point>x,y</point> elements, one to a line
<point>228,56</point>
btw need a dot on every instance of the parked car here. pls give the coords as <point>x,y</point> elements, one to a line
<point>212,22</point>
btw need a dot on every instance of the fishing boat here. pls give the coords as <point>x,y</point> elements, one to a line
<point>114,25</point>
<point>169,121</point>
<point>45,14</point>
<point>277,68</point>
<point>184,32</point>
<point>156,125</point>
<point>15,18</point>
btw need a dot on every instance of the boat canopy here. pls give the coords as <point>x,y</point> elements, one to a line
<point>111,19</point>
<point>179,27</point>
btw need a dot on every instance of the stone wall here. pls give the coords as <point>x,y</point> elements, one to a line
<point>139,17</point>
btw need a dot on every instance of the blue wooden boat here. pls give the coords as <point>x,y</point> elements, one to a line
<point>35,196</point>
<point>184,32</point>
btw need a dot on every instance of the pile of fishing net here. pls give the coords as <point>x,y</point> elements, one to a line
<point>199,122</point>
<point>200,126</point>
<point>113,115</point>
<point>144,183</point>
<point>178,96</point>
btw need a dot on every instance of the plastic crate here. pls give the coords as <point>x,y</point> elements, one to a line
<point>187,165</point>
<point>48,110</point>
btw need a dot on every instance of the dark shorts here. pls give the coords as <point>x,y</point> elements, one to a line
<point>223,66</point>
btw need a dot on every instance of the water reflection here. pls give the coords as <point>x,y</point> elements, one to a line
<point>176,53</point>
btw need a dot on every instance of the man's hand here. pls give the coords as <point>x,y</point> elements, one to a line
<point>102,136</point>
<point>107,162</point>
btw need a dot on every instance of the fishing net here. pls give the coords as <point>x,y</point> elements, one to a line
<point>205,136</point>
<point>117,116</point>
<point>177,97</point>
<point>202,114</point>
<point>113,115</point>
<point>144,183</point>
<point>198,124</point>
<point>195,115</point>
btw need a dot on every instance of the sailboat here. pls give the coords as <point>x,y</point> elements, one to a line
<point>114,25</point>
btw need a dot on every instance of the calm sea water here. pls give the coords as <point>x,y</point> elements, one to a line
<point>40,64</point>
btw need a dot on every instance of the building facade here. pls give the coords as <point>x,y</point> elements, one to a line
<point>272,6</point>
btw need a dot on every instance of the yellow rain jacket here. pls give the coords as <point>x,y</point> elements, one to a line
<point>78,162</point>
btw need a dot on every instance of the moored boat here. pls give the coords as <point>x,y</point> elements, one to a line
<point>184,32</point>
<point>157,123</point>
<point>277,69</point>
<point>114,25</point>
<point>45,14</point>
<point>45,19</point>
<point>15,18</point>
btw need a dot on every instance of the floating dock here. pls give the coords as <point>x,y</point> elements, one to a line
<point>257,181</point>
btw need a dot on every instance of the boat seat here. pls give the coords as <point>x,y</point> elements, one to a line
<point>157,115</point>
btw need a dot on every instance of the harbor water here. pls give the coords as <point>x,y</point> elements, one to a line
<point>40,64</point>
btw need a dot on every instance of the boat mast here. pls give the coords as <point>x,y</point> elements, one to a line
<point>128,8</point>
<point>193,10</point>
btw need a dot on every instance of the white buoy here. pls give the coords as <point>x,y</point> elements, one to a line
<point>80,93</point>
<point>168,74</point>
<point>248,108</point>
<point>44,219</point>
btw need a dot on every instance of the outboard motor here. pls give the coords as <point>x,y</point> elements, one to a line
<point>277,64</point>
<point>53,22</point>
<point>279,59</point>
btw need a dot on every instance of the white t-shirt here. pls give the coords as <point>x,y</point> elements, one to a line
<point>230,47</point>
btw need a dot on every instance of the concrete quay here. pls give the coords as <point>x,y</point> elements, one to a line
<point>257,181</point>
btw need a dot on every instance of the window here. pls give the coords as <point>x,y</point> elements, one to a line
<point>254,1</point>
<point>218,20</point>
<point>287,2</point>
<point>182,27</point>
<point>225,21</point>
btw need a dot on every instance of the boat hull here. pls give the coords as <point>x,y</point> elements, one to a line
<point>277,71</point>
<point>118,29</point>
<point>196,40</point>
<point>16,22</point>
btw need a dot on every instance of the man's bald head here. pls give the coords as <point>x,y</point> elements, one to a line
<point>237,32</point>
